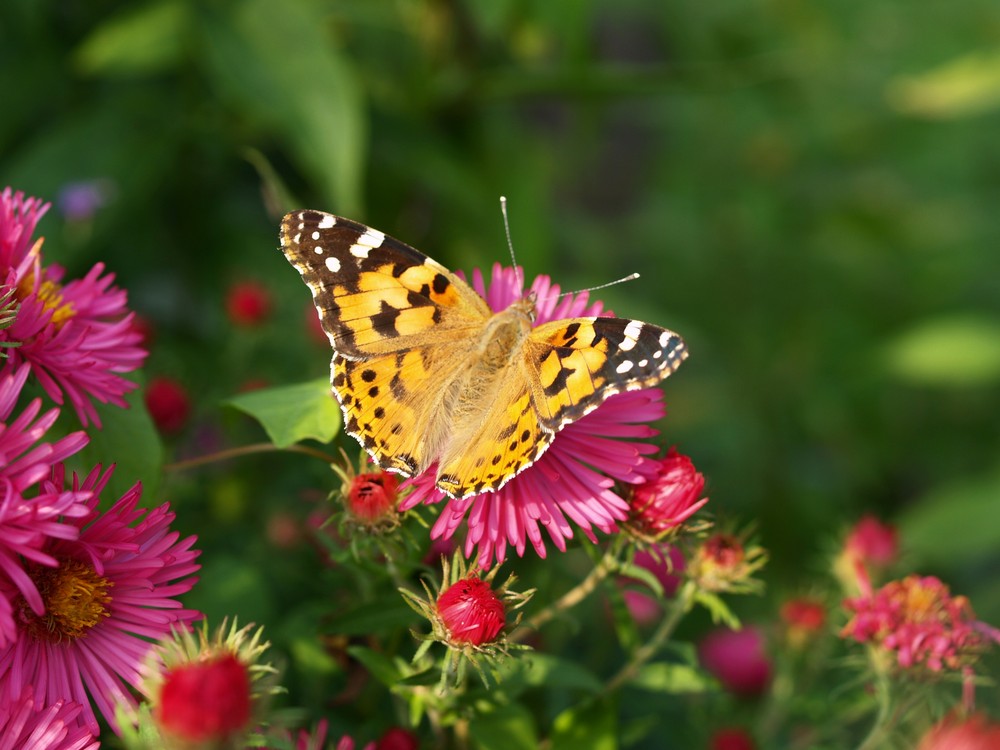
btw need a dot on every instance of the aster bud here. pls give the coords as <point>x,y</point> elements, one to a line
<point>471,612</point>
<point>205,702</point>
<point>669,498</point>
<point>803,619</point>
<point>870,547</point>
<point>372,497</point>
<point>722,563</point>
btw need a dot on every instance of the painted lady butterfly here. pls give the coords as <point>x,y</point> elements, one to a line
<point>427,374</point>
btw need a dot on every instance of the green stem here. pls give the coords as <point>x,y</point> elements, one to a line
<point>883,723</point>
<point>572,597</point>
<point>679,607</point>
<point>246,450</point>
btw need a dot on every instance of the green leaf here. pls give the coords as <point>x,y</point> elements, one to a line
<point>954,351</point>
<point>957,524</point>
<point>535,669</point>
<point>661,677</point>
<point>508,727</point>
<point>960,87</point>
<point>382,667</point>
<point>128,439</point>
<point>308,93</point>
<point>139,41</point>
<point>589,726</point>
<point>293,413</point>
<point>381,616</point>
<point>718,609</point>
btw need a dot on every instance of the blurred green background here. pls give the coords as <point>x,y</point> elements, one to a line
<point>810,191</point>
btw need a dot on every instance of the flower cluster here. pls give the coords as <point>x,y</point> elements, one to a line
<point>919,621</point>
<point>81,590</point>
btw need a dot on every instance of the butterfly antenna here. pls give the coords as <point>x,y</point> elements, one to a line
<point>623,279</point>
<point>510,245</point>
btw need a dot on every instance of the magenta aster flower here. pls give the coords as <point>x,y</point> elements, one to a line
<point>26,724</point>
<point>574,480</point>
<point>919,621</point>
<point>76,335</point>
<point>113,590</point>
<point>27,522</point>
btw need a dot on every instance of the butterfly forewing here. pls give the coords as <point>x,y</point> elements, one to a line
<point>578,363</point>
<point>375,294</point>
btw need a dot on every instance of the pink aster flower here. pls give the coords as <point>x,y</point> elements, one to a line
<point>574,480</point>
<point>114,589</point>
<point>919,621</point>
<point>30,516</point>
<point>76,335</point>
<point>27,724</point>
<point>738,658</point>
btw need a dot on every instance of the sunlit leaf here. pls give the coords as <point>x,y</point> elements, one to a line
<point>672,678</point>
<point>293,413</point>
<point>141,40</point>
<point>956,351</point>
<point>589,726</point>
<point>963,86</point>
<point>509,727</point>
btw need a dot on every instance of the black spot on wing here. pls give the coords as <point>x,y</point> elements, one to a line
<point>384,321</point>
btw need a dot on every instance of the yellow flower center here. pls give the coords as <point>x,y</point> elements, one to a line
<point>49,293</point>
<point>76,599</point>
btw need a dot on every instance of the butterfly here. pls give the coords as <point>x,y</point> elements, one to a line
<point>427,374</point>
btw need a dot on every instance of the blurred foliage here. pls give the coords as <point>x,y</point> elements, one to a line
<point>808,189</point>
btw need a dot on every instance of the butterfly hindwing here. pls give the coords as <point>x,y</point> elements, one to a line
<point>578,363</point>
<point>375,294</point>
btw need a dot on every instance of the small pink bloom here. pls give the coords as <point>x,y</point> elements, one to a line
<point>737,659</point>
<point>572,486</point>
<point>976,732</point>
<point>667,564</point>
<point>873,542</point>
<point>668,498</point>
<point>168,403</point>
<point>347,743</point>
<point>919,620</point>
<point>205,700</point>
<point>471,612</point>
<point>28,724</point>
<point>248,304</point>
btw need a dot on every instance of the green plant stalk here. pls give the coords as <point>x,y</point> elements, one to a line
<point>681,605</point>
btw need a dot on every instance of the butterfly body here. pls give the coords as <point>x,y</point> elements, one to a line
<point>426,373</point>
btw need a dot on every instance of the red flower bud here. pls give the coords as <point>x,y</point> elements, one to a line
<point>168,404</point>
<point>471,612</point>
<point>248,303</point>
<point>670,497</point>
<point>205,701</point>
<point>372,497</point>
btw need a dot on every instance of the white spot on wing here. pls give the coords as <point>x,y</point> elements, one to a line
<point>371,238</point>
<point>360,251</point>
<point>631,334</point>
<point>315,235</point>
<point>327,221</point>
<point>333,264</point>
<point>665,338</point>
<point>624,367</point>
